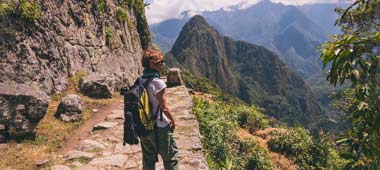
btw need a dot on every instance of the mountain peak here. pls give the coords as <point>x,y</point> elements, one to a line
<point>252,73</point>
<point>201,48</point>
<point>197,23</point>
<point>198,19</point>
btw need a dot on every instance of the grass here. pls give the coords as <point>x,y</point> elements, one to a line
<point>50,132</point>
<point>110,39</point>
<point>122,17</point>
<point>101,6</point>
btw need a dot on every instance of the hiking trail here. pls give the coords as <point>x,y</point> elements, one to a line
<point>100,146</point>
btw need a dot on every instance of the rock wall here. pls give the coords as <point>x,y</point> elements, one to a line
<point>44,42</point>
<point>71,36</point>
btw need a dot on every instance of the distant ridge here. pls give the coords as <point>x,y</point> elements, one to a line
<point>250,72</point>
<point>293,32</point>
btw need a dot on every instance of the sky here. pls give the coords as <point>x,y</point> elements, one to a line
<point>160,10</point>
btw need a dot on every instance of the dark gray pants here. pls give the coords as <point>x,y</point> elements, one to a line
<point>161,142</point>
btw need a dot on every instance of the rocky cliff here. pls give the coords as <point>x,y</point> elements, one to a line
<point>250,72</point>
<point>44,42</point>
<point>47,41</point>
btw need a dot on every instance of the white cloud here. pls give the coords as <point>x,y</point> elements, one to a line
<point>303,2</point>
<point>160,10</point>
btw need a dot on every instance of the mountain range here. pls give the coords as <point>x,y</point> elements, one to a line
<point>292,32</point>
<point>251,72</point>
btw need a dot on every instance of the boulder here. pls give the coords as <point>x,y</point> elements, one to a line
<point>174,77</point>
<point>99,85</point>
<point>21,109</point>
<point>70,108</point>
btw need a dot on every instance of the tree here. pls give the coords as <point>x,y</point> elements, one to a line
<point>355,56</point>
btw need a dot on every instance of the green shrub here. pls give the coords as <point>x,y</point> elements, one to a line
<point>101,6</point>
<point>26,10</point>
<point>121,14</point>
<point>141,22</point>
<point>109,35</point>
<point>252,156</point>
<point>30,10</point>
<point>212,123</point>
<point>294,142</point>
<point>122,17</point>
<point>298,145</point>
<point>4,8</point>
<point>251,118</point>
<point>199,84</point>
<point>224,150</point>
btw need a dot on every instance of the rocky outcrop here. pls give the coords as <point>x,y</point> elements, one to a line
<point>98,85</point>
<point>21,108</point>
<point>250,72</point>
<point>101,36</point>
<point>174,77</point>
<point>70,108</point>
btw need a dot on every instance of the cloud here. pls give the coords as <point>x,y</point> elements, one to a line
<point>160,10</point>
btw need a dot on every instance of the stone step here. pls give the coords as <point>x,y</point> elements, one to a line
<point>116,115</point>
<point>75,154</point>
<point>104,125</point>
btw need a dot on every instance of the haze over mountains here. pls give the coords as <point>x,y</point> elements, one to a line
<point>293,32</point>
<point>250,72</point>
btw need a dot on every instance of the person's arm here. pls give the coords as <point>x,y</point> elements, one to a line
<point>165,107</point>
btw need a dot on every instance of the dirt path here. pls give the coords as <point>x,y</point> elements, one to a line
<point>84,131</point>
<point>97,144</point>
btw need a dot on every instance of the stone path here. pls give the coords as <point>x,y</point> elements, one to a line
<point>103,149</point>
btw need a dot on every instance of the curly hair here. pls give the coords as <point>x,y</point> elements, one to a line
<point>151,56</point>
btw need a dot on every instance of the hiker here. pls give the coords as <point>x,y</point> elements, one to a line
<point>161,140</point>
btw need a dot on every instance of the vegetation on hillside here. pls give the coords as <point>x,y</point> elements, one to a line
<point>220,121</point>
<point>354,56</point>
<point>308,152</point>
<point>122,17</point>
<point>123,9</point>
<point>252,73</point>
<point>16,15</point>
<point>138,7</point>
<point>204,85</point>
<point>219,125</point>
<point>27,10</point>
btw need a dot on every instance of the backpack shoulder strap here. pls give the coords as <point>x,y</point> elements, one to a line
<point>145,84</point>
<point>137,81</point>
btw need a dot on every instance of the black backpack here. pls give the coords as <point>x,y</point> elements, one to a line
<point>139,120</point>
